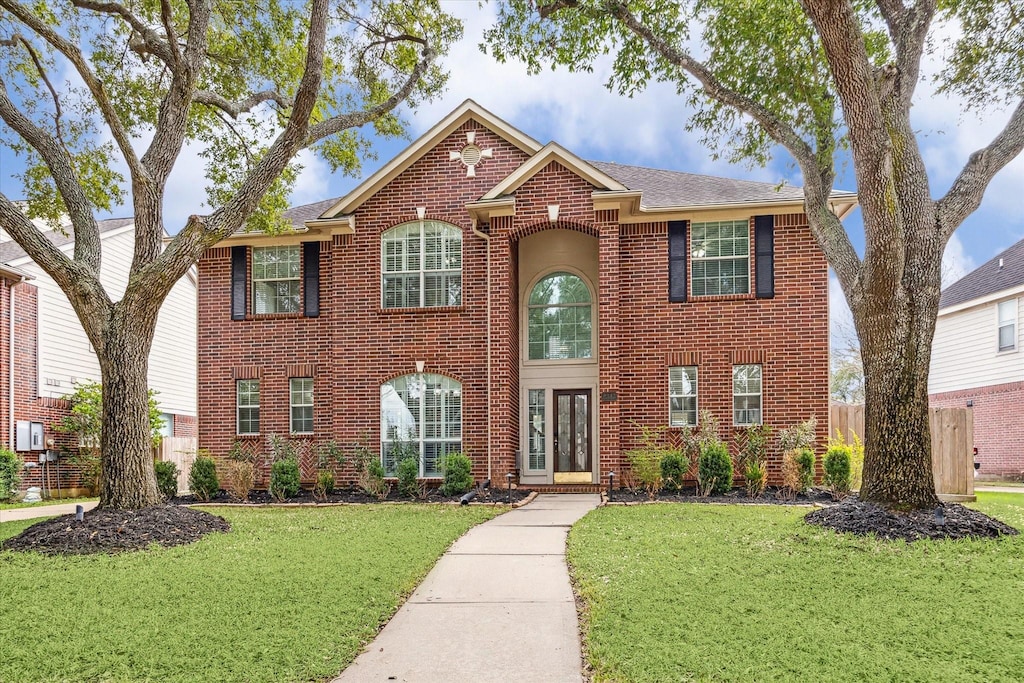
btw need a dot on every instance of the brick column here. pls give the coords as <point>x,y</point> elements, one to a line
<point>609,335</point>
<point>503,381</point>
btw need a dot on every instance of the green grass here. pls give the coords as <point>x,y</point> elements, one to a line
<point>288,595</point>
<point>732,593</point>
<point>52,501</point>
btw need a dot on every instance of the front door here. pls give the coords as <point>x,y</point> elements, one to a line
<point>572,436</point>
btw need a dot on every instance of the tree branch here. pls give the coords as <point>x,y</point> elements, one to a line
<point>236,109</point>
<point>967,190</point>
<point>148,41</point>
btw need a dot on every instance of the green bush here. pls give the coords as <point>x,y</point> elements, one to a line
<point>805,460</point>
<point>324,484</point>
<point>645,461</point>
<point>10,474</point>
<point>202,478</point>
<point>166,478</point>
<point>408,472</point>
<point>714,469</point>
<point>674,466</point>
<point>837,470</point>
<point>755,475</point>
<point>284,479</point>
<point>753,458</point>
<point>458,474</point>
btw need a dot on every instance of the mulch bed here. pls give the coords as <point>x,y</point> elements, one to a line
<point>114,531</point>
<point>863,518</point>
<point>770,496</point>
<point>356,495</point>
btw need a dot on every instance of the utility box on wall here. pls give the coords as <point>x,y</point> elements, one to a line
<point>28,436</point>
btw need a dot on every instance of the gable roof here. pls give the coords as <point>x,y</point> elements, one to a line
<point>1003,271</point>
<point>554,152</point>
<point>12,251</point>
<point>662,188</point>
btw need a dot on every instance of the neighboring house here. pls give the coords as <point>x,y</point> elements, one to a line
<point>977,360</point>
<point>52,352</point>
<point>488,294</point>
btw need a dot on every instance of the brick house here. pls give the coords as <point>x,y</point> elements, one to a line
<point>488,294</point>
<point>977,360</point>
<point>44,352</point>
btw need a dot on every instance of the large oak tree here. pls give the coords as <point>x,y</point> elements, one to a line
<point>88,87</point>
<point>822,79</point>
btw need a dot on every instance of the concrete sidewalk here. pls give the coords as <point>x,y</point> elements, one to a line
<point>995,488</point>
<point>497,607</point>
<point>42,510</point>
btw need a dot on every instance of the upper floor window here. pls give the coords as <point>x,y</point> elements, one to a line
<point>720,253</point>
<point>682,396</point>
<point>276,273</point>
<point>421,265</point>
<point>560,318</point>
<point>420,417</point>
<point>1007,325</point>
<point>746,395</point>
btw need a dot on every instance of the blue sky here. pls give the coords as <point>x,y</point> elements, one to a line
<point>648,130</point>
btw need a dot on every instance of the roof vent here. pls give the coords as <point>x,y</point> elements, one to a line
<point>1000,264</point>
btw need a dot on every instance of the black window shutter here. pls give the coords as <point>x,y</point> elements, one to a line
<point>239,282</point>
<point>311,279</point>
<point>677,261</point>
<point>764,256</point>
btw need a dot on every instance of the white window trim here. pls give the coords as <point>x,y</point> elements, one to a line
<point>423,271</point>
<point>255,280</point>
<point>421,439</point>
<point>1000,325</point>
<point>239,406</point>
<point>695,395</point>
<point>759,394</point>
<point>524,325</point>
<point>292,405</point>
<point>693,259</point>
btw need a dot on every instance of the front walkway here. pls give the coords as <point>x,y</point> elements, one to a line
<point>497,607</point>
<point>43,510</point>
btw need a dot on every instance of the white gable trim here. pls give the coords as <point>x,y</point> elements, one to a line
<point>553,152</point>
<point>69,247</point>
<point>981,300</point>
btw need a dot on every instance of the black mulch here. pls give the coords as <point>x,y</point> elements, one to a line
<point>771,496</point>
<point>859,517</point>
<point>355,495</point>
<point>114,531</point>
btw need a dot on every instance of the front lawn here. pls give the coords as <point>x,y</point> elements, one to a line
<point>678,592</point>
<point>289,594</point>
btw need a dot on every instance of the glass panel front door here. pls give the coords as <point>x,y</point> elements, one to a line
<point>572,430</point>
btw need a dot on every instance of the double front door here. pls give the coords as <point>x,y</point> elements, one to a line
<point>571,434</point>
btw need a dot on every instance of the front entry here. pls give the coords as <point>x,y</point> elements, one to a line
<point>572,442</point>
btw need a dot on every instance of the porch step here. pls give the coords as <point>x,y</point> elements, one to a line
<point>564,488</point>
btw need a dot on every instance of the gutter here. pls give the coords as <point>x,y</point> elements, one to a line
<point>487,239</point>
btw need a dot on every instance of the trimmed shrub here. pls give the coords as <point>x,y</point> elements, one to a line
<point>458,474</point>
<point>369,470</point>
<point>324,484</point>
<point>166,478</point>
<point>714,469</point>
<point>284,479</point>
<point>10,474</point>
<point>805,459</point>
<point>408,472</point>
<point>202,478</point>
<point>837,471</point>
<point>674,466</point>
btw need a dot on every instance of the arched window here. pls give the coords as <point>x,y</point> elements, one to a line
<point>560,318</point>
<point>421,265</point>
<point>421,417</point>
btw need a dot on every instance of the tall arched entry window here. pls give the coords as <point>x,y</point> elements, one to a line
<point>560,316</point>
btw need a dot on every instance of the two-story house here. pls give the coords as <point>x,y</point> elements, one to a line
<point>488,294</point>
<point>977,360</point>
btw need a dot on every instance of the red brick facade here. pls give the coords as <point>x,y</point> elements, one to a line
<point>998,428</point>
<point>355,345</point>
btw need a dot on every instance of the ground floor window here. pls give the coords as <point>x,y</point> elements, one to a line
<point>301,392</point>
<point>682,396</point>
<point>247,392</point>
<point>746,395</point>
<point>421,414</point>
<point>536,419</point>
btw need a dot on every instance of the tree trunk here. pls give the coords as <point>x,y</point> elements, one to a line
<point>128,480</point>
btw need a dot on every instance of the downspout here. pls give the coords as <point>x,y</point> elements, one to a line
<point>10,365</point>
<point>487,239</point>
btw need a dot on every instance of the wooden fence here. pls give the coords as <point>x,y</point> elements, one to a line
<point>952,445</point>
<point>182,452</point>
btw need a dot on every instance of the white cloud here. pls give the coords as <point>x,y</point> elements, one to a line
<point>842,333</point>
<point>955,262</point>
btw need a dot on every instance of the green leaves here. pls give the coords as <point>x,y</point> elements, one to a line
<point>986,61</point>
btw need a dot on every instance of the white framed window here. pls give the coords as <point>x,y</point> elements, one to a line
<point>421,265</point>
<point>746,395</point>
<point>421,413</point>
<point>1007,312</point>
<point>682,396</point>
<point>247,392</point>
<point>720,253</point>
<point>301,398</point>
<point>536,419</point>
<point>276,273</point>
<point>559,319</point>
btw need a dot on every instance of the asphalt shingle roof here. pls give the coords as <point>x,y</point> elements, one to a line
<point>987,278</point>
<point>12,251</point>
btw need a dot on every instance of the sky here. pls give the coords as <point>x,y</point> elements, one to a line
<point>577,111</point>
